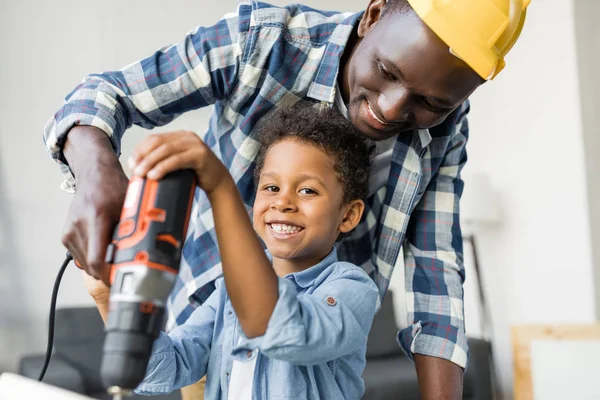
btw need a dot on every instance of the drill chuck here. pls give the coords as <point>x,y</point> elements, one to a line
<point>145,255</point>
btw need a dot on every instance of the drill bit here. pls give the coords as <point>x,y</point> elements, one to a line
<point>118,393</point>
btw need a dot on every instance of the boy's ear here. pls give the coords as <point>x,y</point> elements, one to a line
<point>352,216</point>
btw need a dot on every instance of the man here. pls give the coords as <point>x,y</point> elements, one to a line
<point>385,68</point>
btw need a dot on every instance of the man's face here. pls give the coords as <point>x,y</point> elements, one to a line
<point>400,76</point>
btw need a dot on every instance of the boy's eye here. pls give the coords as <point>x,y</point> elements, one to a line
<point>271,188</point>
<point>307,191</point>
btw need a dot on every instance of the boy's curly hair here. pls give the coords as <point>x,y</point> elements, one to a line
<point>328,130</point>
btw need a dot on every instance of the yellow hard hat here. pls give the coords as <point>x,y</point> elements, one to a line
<point>480,32</point>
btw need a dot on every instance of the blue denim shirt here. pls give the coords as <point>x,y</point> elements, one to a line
<point>314,346</point>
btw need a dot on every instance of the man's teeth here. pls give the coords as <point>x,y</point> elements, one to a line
<point>283,228</point>
<point>375,116</point>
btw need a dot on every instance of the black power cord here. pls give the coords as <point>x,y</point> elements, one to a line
<point>68,259</point>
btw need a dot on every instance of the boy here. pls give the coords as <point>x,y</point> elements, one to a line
<point>291,322</point>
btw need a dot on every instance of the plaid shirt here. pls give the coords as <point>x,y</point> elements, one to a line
<point>263,57</point>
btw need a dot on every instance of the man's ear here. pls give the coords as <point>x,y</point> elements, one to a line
<point>371,16</point>
<point>354,211</point>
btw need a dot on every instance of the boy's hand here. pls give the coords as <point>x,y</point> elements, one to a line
<point>159,154</point>
<point>99,292</point>
<point>96,288</point>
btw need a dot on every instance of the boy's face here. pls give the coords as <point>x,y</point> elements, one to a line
<point>299,210</point>
<point>400,76</point>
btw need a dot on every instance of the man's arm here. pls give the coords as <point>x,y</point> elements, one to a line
<point>96,208</point>
<point>435,276</point>
<point>438,378</point>
<point>84,136</point>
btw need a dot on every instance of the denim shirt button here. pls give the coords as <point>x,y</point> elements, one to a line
<point>249,354</point>
<point>331,301</point>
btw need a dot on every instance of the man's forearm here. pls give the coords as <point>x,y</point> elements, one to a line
<point>249,276</point>
<point>87,147</point>
<point>439,379</point>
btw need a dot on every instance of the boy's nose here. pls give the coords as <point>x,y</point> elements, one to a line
<point>283,203</point>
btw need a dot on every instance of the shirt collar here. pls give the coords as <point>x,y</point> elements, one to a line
<point>323,86</point>
<point>425,137</point>
<point>307,277</point>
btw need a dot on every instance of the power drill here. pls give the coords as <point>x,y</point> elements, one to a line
<point>144,255</point>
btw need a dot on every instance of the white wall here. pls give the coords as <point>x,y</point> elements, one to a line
<point>526,134</point>
<point>588,51</point>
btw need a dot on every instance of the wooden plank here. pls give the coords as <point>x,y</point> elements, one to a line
<point>523,335</point>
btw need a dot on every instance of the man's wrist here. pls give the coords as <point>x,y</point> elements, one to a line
<point>439,379</point>
<point>87,149</point>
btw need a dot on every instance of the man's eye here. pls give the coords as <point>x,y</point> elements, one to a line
<point>307,191</point>
<point>432,107</point>
<point>385,72</point>
<point>271,188</point>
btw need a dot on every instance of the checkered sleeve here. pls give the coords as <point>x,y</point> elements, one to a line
<point>191,74</point>
<point>434,262</point>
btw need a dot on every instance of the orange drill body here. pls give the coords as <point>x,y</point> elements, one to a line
<point>144,255</point>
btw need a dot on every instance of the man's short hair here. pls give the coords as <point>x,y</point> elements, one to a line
<point>399,6</point>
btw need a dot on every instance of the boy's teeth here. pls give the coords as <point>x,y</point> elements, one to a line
<point>283,228</point>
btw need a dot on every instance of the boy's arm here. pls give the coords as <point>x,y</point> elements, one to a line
<point>99,292</point>
<point>329,323</point>
<point>249,276</point>
<point>181,358</point>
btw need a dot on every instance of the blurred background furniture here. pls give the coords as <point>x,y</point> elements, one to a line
<point>390,375</point>
<point>556,362</point>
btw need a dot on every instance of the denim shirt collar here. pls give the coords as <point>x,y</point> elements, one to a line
<point>306,278</point>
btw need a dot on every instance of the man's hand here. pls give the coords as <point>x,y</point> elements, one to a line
<point>439,379</point>
<point>96,207</point>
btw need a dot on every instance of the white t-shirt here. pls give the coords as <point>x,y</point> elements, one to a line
<point>382,161</point>
<point>242,379</point>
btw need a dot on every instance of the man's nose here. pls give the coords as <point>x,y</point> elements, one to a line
<point>283,202</point>
<point>395,104</point>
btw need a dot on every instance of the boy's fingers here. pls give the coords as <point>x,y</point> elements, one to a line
<point>147,145</point>
<point>165,150</point>
<point>172,163</point>
<point>159,147</point>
